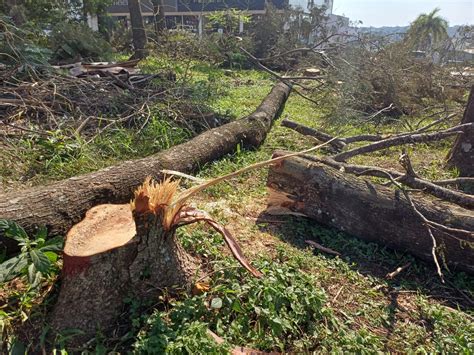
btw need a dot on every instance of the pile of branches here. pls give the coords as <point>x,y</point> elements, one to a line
<point>362,75</point>
<point>88,100</point>
<point>51,99</point>
<point>85,98</point>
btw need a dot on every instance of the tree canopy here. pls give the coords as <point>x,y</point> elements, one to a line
<point>427,30</point>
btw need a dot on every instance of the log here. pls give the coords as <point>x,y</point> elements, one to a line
<point>370,212</point>
<point>461,155</point>
<point>120,251</point>
<point>60,205</point>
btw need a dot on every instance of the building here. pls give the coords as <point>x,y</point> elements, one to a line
<point>190,14</point>
<point>306,5</point>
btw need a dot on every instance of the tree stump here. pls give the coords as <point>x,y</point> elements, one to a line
<point>119,251</point>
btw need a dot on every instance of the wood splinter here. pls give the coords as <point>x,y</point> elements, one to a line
<point>119,251</point>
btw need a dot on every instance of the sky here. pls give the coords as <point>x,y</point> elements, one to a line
<point>379,13</point>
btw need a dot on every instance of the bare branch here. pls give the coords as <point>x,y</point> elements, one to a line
<point>455,181</point>
<point>400,140</point>
<point>278,76</point>
<point>457,197</point>
<point>308,131</point>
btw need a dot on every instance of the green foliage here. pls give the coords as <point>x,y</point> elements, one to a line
<point>269,36</point>
<point>281,310</point>
<point>452,335</point>
<point>204,243</point>
<point>19,46</point>
<point>176,337</point>
<point>274,312</point>
<point>266,32</point>
<point>227,20</point>
<point>43,13</point>
<point>96,6</point>
<point>427,31</point>
<point>70,40</point>
<point>61,155</point>
<point>36,258</point>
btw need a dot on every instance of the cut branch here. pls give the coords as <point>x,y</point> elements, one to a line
<point>405,139</point>
<point>308,131</point>
<point>277,76</point>
<point>456,181</point>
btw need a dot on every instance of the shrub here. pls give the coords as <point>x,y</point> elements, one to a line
<point>70,40</point>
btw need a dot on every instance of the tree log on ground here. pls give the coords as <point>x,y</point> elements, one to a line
<point>119,251</point>
<point>371,212</point>
<point>409,178</point>
<point>60,205</point>
<point>461,155</point>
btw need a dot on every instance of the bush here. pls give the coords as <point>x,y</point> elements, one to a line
<point>19,46</point>
<point>70,40</point>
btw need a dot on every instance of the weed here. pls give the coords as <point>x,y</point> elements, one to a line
<point>36,258</point>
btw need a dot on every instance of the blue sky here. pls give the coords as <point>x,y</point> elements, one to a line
<point>401,12</point>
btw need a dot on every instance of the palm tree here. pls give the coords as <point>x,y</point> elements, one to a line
<point>427,30</point>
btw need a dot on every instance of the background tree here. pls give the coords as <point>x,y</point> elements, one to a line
<point>138,29</point>
<point>159,22</point>
<point>427,31</point>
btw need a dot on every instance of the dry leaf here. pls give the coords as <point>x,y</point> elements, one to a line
<point>199,288</point>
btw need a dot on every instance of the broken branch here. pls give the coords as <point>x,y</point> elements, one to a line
<point>400,140</point>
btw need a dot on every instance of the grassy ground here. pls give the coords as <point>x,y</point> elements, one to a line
<point>307,300</point>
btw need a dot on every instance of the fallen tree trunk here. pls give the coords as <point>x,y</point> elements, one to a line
<point>370,212</point>
<point>60,205</point>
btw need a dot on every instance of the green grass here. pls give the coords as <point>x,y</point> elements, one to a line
<point>307,300</point>
<point>293,307</point>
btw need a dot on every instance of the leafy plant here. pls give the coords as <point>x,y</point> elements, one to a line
<point>227,20</point>
<point>36,256</point>
<point>69,40</point>
<point>177,338</point>
<point>284,310</point>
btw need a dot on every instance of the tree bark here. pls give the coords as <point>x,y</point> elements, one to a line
<point>461,155</point>
<point>62,204</point>
<point>113,254</point>
<point>138,29</point>
<point>369,212</point>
